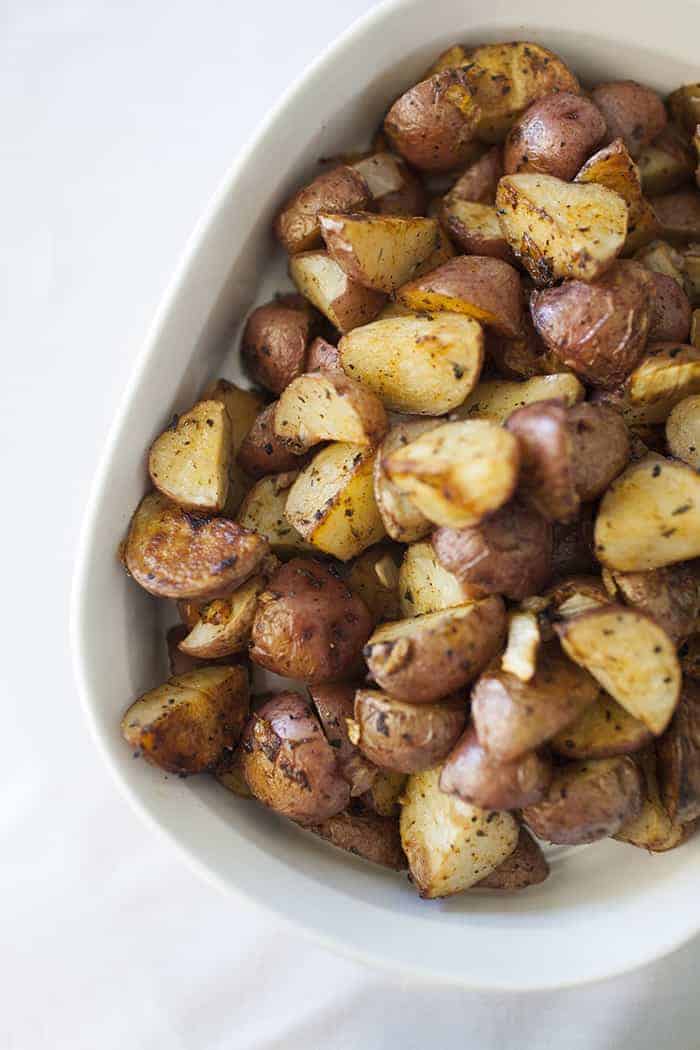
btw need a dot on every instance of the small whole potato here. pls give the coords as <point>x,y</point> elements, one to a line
<point>432,124</point>
<point>632,112</point>
<point>309,624</point>
<point>263,452</point>
<point>554,136</point>
<point>508,553</point>
<point>475,776</point>
<point>671,312</point>
<point>288,763</point>
<point>406,738</point>
<point>274,342</point>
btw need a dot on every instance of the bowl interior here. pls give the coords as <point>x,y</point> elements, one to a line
<point>633,906</point>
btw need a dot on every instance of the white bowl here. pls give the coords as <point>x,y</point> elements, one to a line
<point>606,908</point>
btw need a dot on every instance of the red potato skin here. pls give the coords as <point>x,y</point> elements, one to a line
<point>474,776</point>
<point>341,189</point>
<point>334,704</point>
<point>403,737</point>
<point>670,595</point>
<point>670,321</point>
<point>679,214</point>
<point>678,758</point>
<point>554,136</point>
<point>632,112</point>
<point>411,199</point>
<point>474,242</point>
<point>428,130</point>
<point>323,357</point>
<point>479,181</point>
<point>273,347</point>
<point>263,452</point>
<point>600,447</point>
<point>367,835</point>
<point>524,357</point>
<point>526,866</point>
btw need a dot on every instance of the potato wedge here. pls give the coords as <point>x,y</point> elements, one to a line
<point>472,774</point>
<point>263,451</point>
<point>342,189</point>
<point>378,251</point>
<point>325,284</point>
<point>402,520</point>
<point>174,554</point>
<point>671,319</point>
<point>243,406</point>
<point>554,136</point>
<point>630,656</point>
<point>524,640</point>
<point>678,758</point>
<point>187,724</point>
<point>512,717</point>
<point>484,288</point>
<point>668,373</point>
<point>678,214</point>
<point>496,399</point>
<point>394,189</point>
<point>331,504</point>
<point>604,730</point>
<point>385,792</point>
<point>479,181</point>
<point>328,407</point>
<point>189,462</point>
<point>475,228</point>
<point>459,473</point>
<point>263,511</point>
<point>561,229</point>
<point>649,517</point>
<point>426,658</point>
<point>652,829</point>
<point>224,625</point>
<point>441,253</point>
<point>612,166</point>
<point>418,365</point>
<point>633,112</point>
<point>525,867</point>
<point>424,586</point>
<point>450,844</point>
<point>275,340</point>
<point>367,835</point>
<point>335,706</point>
<point>432,124</point>
<point>178,661</point>
<point>683,431</point>
<point>375,577</point>
<point>665,164</point>
<point>670,595</point>
<point>405,738</point>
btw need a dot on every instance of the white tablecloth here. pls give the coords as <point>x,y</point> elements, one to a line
<point>118,120</point>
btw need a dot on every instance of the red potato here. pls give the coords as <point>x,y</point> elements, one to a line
<point>572,552</point>
<point>263,452</point>
<point>274,342</point>
<point>402,737</point>
<point>334,706</point>
<point>670,595</point>
<point>342,189</point>
<point>475,229</point>
<point>367,835</point>
<point>346,303</point>
<point>524,357</point>
<point>679,214</point>
<point>670,321</point>
<point>394,189</point>
<point>632,112</point>
<point>323,357</point>
<point>667,163</point>
<point>432,124</point>
<point>475,776</point>
<point>478,183</point>
<point>554,136</point>
<point>525,867</point>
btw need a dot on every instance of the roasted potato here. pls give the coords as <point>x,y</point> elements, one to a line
<point>224,625</point>
<point>496,399</point>
<point>418,365</point>
<point>335,706</point>
<point>670,595</point>
<point>614,168</point>
<point>678,758</point>
<point>666,164</point>
<point>459,473</point>
<point>243,407</point>
<point>365,835</point>
<point>652,829</point>
<point>573,545</point>
<point>263,511</point>
<point>375,577</point>
<point>189,462</point>
<point>524,640</point>
<point>559,229</point>
<point>508,553</point>
<point>264,452</point>
<point>662,257</point>
<point>568,456</point>
<point>384,795</point>
<point>678,214</point>
<point>554,136</point>
<point>325,284</point>
<point>475,776</point>
<point>683,431</point>
<point>328,406</point>
<point>402,737</point>
<point>433,123</point>
<point>229,774</point>
<point>450,844</point>
<point>289,765</point>
<point>178,661</point>
<point>649,517</point>
<point>176,554</point>
<point>331,504</point>
<point>630,656</point>
<point>604,730</point>
<point>576,594</point>
<point>426,658</point>
<point>343,189</point>
<point>475,229</point>
<point>684,106</point>
<point>483,288</point>
<point>632,112</point>
<point>524,357</point>
<point>402,520</point>
<point>322,356</point>
<point>308,624</point>
<point>441,253</point>
<point>187,724</point>
<point>670,321</point>
<point>378,251</point>
<point>525,867</point>
<point>598,329</point>
<point>587,801</point>
<point>425,586</point>
<point>668,373</point>
<point>479,181</point>
<point>695,329</point>
<point>275,340</point>
<point>394,189</point>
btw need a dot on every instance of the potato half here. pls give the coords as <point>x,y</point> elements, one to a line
<point>612,166</point>
<point>402,519</point>
<point>263,511</point>
<point>189,462</point>
<point>604,730</point>
<point>341,189</point>
<point>405,737</point>
<point>328,407</point>
<point>432,124</point>
<point>224,625</point>
<point>275,341</point>
<point>475,776</point>
<point>243,407</point>
<point>496,399</point>
<point>346,303</point>
<point>379,251</point>
<point>424,586</point>
<point>652,828</point>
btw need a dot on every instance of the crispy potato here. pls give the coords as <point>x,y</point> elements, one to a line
<point>174,554</point>
<point>274,341</point>
<point>630,656</point>
<point>425,658</point>
<point>459,473</point>
<point>229,774</point>
<point>587,801</point>
<point>666,164</point>
<point>289,765</point>
<point>425,586</point>
<point>263,451</point>
<point>450,844</point>
<point>479,181</point>
<point>308,624</point>
<point>524,357</point>
<point>670,595</point>
<point>402,520</point>
<point>512,717</point>
<point>568,455</point>
<point>189,462</point>
<point>432,124</point>
<point>406,738</point>
<point>394,189</point>
<point>525,867</point>
<point>560,229</point>
<point>322,356</point>
<point>367,835</point>
<point>599,329</point>
<point>475,229</point>
<point>496,399</point>
<point>554,136</point>
<point>573,545</point>
<point>342,189</point>
<point>335,706</point>
<point>375,577</point>
<point>324,283</point>
<point>385,792</point>
<point>483,288</point>
<point>418,365</point>
<point>378,251</point>
<point>187,724</point>
<point>649,517</point>
<point>508,553</point>
<point>224,625</point>
<point>613,167</point>
<point>652,829</point>
<point>328,406</point>
<point>678,214</point>
<point>604,730</point>
<point>263,511</point>
<point>475,776</point>
<point>632,112</point>
<point>331,503</point>
<point>670,320</point>
<point>678,758</point>
<point>684,106</point>
<point>243,406</point>
<point>683,431</point>
<point>524,640</point>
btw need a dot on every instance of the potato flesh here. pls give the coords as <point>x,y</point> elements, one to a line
<point>683,431</point>
<point>520,657</point>
<point>561,229</point>
<point>424,586</point>
<point>660,381</point>
<point>379,251</point>
<point>613,167</point>
<point>458,473</point>
<point>475,228</point>
<point>243,407</point>
<point>374,576</point>
<point>402,520</point>
<point>263,511</point>
<point>605,729</point>
<point>418,365</point>
<point>318,407</point>
<point>189,462</point>
<point>224,626</point>
<point>496,399</point>
<point>346,303</point>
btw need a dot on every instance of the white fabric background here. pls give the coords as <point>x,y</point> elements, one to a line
<point>118,120</point>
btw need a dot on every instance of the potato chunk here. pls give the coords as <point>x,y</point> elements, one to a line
<point>425,586</point>
<point>670,595</point>
<point>405,737</point>
<point>402,520</point>
<point>475,228</point>
<point>496,399</point>
<point>224,625</point>
<point>633,112</point>
<point>263,451</point>
<point>275,341</point>
<point>652,828</point>
<point>346,303</point>
<point>379,251</point>
<point>683,431</point>
<point>328,407</point>
<point>242,406</point>
<point>367,835</point>
<point>604,730</point>
<point>432,124</point>
<point>341,189</point>
<point>189,462</point>
<point>263,511</point>
<point>475,776</point>
<point>525,867</point>
<point>678,758</point>
<point>612,166</point>
<point>375,577</point>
